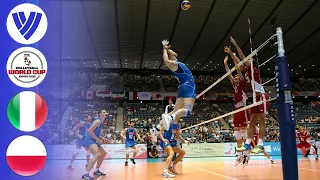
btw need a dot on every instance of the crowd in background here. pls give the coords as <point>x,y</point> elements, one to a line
<point>147,115</point>
<point>150,81</point>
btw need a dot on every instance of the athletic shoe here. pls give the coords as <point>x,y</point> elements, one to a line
<point>86,177</point>
<point>167,175</point>
<point>132,160</point>
<point>70,167</point>
<point>98,173</point>
<point>273,162</point>
<point>317,159</point>
<point>258,149</point>
<point>239,160</point>
<point>171,169</point>
<point>126,163</point>
<point>166,120</point>
<point>245,147</point>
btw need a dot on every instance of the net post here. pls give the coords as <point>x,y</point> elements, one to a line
<point>285,113</point>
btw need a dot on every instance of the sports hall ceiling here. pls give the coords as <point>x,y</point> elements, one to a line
<point>128,33</point>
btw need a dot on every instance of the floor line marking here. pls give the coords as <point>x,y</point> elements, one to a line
<point>208,171</point>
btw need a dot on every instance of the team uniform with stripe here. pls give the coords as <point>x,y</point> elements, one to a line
<point>240,119</point>
<point>303,143</point>
<point>170,135</point>
<point>97,132</point>
<point>81,138</point>
<point>264,107</point>
<point>187,86</point>
<point>130,135</point>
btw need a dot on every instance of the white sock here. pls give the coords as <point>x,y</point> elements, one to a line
<point>173,116</point>
<point>97,169</point>
<point>248,141</point>
<point>260,143</point>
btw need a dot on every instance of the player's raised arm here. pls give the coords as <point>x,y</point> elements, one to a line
<point>170,63</point>
<point>228,69</point>
<point>238,48</point>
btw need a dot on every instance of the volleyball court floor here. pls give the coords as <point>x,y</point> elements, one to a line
<point>216,168</point>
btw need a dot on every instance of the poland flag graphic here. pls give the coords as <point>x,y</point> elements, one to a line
<point>26,155</point>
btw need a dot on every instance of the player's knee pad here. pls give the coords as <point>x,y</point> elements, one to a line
<point>128,150</point>
<point>188,109</point>
<point>244,133</point>
<point>237,135</point>
<point>88,153</point>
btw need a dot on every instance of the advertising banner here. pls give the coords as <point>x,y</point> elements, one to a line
<point>114,151</point>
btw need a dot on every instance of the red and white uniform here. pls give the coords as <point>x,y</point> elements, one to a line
<point>240,119</point>
<point>254,138</point>
<point>264,107</point>
<point>303,143</point>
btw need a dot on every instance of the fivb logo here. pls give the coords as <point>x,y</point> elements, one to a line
<point>27,23</point>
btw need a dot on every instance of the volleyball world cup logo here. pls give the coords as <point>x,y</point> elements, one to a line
<point>185,5</point>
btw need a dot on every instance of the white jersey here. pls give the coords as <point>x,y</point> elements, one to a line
<point>154,134</point>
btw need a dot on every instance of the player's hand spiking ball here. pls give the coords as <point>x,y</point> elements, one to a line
<point>165,44</point>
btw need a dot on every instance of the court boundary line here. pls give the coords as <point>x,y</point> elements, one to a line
<point>317,170</point>
<point>208,171</point>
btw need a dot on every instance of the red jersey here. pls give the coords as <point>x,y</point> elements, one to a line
<point>303,136</point>
<point>248,75</point>
<point>239,93</point>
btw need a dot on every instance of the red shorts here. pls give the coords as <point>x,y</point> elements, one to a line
<point>262,108</point>
<point>241,118</point>
<point>303,145</point>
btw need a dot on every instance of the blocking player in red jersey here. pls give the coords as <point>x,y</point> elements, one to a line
<point>259,112</point>
<point>254,142</point>
<point>303,137</point>
<point>240,119</point>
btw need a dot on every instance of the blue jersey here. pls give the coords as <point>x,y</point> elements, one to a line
<point>97,131</point>
<point>183,74</point>
<point>170,135</point>
<point>83,130</point>
<point>130,134</point>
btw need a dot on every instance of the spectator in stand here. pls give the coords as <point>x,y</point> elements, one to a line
<point>154,153</point>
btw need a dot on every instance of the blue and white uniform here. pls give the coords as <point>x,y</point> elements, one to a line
<point>170,135</point>
<point>130,135</point>
<point>187,86</point>
<point>81,139</point>
<point>97,132</point>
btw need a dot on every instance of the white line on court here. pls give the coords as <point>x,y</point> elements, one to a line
<point>209,171</point>
<point>300,168</point>
<point>105,172</point>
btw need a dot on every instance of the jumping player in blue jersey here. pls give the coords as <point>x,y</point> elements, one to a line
<point>169,145</point>
<point>81,131</point>
<point>186,89</point>
<point>128,135</point>
<point>94,141</point>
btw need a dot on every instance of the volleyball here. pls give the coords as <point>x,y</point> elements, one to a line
<point>185,5</point>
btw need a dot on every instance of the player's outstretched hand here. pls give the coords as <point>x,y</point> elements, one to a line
<point>165,44</point>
